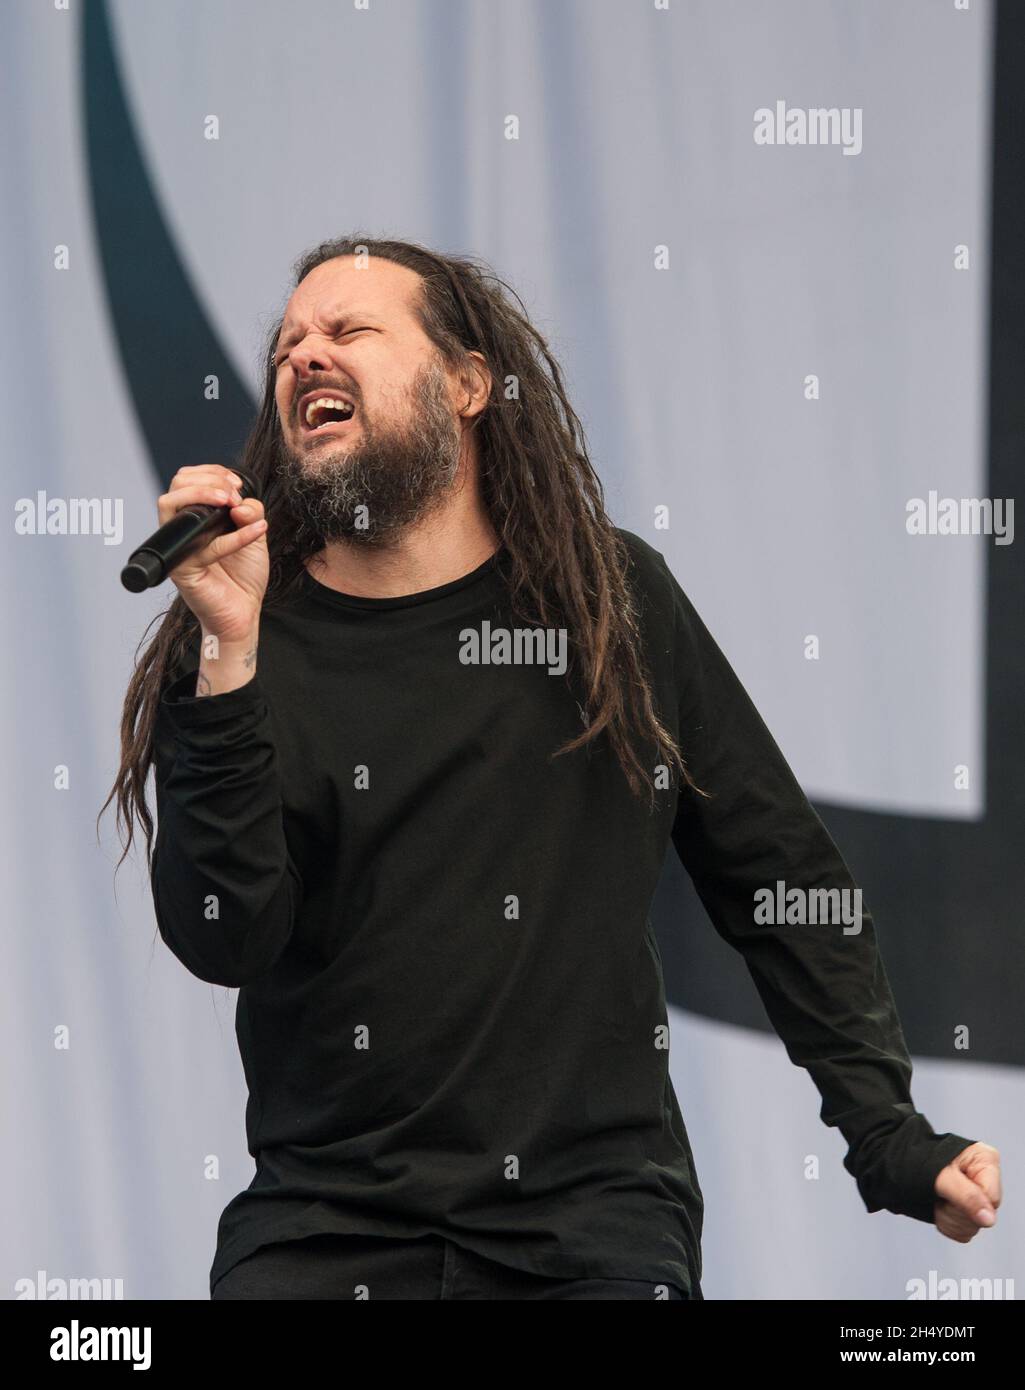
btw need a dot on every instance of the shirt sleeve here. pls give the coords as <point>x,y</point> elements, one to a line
<point>225,889</point>
<point>825,990</point>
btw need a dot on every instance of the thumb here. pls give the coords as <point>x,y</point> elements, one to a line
<point>967,1196</point>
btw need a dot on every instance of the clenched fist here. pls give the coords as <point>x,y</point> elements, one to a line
<point>968,1192</point>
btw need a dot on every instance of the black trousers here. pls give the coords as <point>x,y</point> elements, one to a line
<point>360,1267</point>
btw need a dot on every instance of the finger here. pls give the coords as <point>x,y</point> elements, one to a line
<point>971,1200</point>
<point>172,502</point>
<point>985,1171</point>
<point>219,549</point>
<point>951,1223</point>
<point>249,510</point>
<point>223,546</point>
<point>214,473</point>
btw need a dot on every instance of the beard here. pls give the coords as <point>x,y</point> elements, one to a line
<point>391,477</point>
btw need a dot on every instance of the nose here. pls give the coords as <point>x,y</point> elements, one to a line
<point>310,356</point>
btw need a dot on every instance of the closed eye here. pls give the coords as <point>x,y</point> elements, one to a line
<point>283,357</point>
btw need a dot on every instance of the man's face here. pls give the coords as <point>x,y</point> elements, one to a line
<point>350,336</point>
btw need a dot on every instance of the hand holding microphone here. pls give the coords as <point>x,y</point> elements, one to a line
<point>222,579</point>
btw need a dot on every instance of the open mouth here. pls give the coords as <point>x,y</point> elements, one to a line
<point>325,411</point>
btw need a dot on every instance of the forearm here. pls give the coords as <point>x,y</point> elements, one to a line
<point>224,887</point>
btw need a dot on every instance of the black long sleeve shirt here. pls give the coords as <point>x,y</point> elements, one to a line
<point>451,1011</point>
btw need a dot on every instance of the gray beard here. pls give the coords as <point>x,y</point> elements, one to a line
<point>385,482</point>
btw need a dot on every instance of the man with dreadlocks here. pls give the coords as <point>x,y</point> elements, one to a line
<point>427,860</point>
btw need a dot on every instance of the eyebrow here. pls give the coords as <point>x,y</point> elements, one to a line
<point>336,322</point>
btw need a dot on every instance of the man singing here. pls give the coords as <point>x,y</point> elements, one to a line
<point>424,725</point>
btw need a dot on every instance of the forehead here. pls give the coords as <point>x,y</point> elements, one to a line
<point>338,288</point>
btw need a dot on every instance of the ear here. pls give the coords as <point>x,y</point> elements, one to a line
<point>476,381</point>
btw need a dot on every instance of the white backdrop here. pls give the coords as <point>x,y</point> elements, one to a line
<point>786,514</point>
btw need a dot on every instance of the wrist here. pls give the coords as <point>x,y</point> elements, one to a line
<point>226,665</point>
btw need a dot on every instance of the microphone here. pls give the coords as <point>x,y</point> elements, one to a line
<point>194,525</point>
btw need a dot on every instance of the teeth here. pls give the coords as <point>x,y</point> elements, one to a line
<point>325,403</point>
